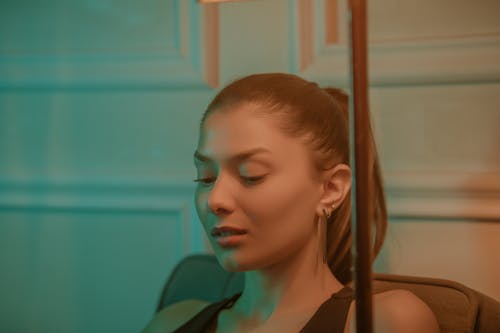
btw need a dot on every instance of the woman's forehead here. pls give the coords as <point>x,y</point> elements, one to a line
<point>236,141</point>
<point>237,130</point>
<point>241,156</point>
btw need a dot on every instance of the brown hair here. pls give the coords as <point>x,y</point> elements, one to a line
<point>318,116</point>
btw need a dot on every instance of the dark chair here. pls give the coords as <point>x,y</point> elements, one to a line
<point>458,308</point>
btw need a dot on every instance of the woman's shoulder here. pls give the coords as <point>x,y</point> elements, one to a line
<point>406,312</point>
<point>399,310</point>
<point>174,316</point>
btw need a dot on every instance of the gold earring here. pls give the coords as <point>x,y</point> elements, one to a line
<point>323,235</point>
<point>322,228</point>
<point>329,214</point>
<point>324,232</point>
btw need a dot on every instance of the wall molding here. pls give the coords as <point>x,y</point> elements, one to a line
<point>175,65</point>
<point>416,195</point>
<point>415,60</point>
<point>211,43</point>
<point>153,197</point>
<point>461,195</point>
<point>319,52</point>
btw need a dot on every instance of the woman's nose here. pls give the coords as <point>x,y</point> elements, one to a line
<point>219,199</point>
<point>220,211</point>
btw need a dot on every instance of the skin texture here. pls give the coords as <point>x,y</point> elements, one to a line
<point>394,311</point>
<point>285,278</point>
<point>281,253</point>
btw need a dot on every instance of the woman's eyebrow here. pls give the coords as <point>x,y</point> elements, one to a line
<point>237,157</point>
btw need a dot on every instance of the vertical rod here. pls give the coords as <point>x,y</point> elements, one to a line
<point>362,187</point>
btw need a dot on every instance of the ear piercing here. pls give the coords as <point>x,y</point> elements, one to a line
<point>327,215</point>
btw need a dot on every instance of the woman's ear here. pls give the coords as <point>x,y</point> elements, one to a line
<point>335,186</point>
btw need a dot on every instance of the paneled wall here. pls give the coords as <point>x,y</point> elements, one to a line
<point>434,95</point>
<point>100,104</point>
<point>99,110</point>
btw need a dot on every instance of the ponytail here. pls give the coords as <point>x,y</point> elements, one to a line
<point>339,233</point>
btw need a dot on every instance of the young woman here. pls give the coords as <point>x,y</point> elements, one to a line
<point>274,199</point>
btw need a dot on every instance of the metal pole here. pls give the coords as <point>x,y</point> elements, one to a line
<point>362,187</point>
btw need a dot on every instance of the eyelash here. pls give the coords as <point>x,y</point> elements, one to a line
<point>251,179</point>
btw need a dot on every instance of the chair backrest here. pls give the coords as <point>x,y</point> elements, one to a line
<point>458,308</point>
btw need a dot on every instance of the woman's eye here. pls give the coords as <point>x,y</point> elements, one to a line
<point>201,180</point>
<point>248,179</point>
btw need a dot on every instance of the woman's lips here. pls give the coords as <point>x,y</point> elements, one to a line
<point>218,231</point>
<point>230,240</point>
<point>227,236</point>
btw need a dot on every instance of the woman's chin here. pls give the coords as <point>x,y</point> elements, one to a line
<point>230,262</point>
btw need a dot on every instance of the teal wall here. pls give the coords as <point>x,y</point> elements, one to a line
<point>100,103</point>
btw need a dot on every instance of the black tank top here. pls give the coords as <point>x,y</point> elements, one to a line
<point>330,317</point>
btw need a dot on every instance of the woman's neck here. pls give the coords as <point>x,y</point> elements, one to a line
<point>298,285</point>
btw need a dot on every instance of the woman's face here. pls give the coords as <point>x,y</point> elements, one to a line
<point>277,211</point>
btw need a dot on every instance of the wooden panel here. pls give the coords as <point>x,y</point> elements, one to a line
<point>331,17</point>
<point>85,27</point>
<point>97,44</point>
<point>99,135</point>
<point>401,52</point>
<point>456,250</point>
<point>439,150</point>
<point>253,38</point>
<point>464,195</point>
<point>161,196</point>
<point>393,20</point>
<point>438,142</point>
<point>73,252</point>
<point>76,271</point>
